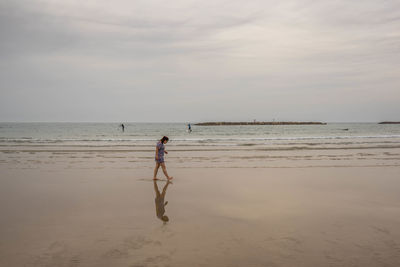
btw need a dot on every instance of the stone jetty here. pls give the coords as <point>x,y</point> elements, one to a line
<point>227,123</point>
<point>390,122</point>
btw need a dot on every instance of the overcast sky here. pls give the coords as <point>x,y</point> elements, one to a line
<point>199,60</point>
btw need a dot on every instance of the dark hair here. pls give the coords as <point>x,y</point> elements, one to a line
<point>165,138</point>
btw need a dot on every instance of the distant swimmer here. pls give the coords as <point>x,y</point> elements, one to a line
<point>123,127</point>
<point>189,128</point>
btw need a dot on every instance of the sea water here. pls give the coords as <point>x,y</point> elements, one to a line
<point>146,134</point>
<point>30,145</point>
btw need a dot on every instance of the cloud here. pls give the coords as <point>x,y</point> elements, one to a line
<point>267,57</point>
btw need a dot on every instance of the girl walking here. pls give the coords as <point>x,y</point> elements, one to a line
<point>160,150</point>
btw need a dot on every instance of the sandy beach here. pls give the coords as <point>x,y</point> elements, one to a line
<point>57,213</point>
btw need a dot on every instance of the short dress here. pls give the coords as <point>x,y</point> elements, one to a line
<point>161,148</point>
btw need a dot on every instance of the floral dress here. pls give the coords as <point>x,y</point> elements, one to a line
<point>161,148</point>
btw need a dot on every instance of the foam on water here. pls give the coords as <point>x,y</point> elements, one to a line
<point>38,140</point>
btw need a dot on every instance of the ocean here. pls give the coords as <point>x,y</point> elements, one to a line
<point>139,134</point>
<point>209,146</point>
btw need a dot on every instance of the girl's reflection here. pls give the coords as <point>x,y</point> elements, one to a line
<point>160,204</point>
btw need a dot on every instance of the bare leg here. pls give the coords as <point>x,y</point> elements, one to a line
<point>165,171</point>
<point>156,170</point>
<point>164,191</point>
<point>156,189</point>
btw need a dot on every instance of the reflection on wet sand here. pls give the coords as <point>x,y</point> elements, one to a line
<point>160,204</point>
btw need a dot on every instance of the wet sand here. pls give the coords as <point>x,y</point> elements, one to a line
<point>332,216</point>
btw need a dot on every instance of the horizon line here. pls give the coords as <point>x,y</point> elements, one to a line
<point>193,122</point>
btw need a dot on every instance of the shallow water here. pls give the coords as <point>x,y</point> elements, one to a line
<point>217,217</point>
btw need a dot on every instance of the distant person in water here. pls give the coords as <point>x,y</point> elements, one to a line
<point>189,128</point>
<point>160,204</point>
<point>160,150</point>
<point>123,127</point>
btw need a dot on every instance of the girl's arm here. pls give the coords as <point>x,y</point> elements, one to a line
<point>156,152</point>
<point>165,151</point>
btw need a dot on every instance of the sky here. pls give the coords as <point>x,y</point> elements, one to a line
<point>193,61</point>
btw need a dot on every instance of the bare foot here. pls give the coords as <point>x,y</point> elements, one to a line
<point>170,178</point>
<point>155,179</point>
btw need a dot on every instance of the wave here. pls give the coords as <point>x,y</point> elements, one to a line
<point>286,138</point>
<point>199,140</point>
